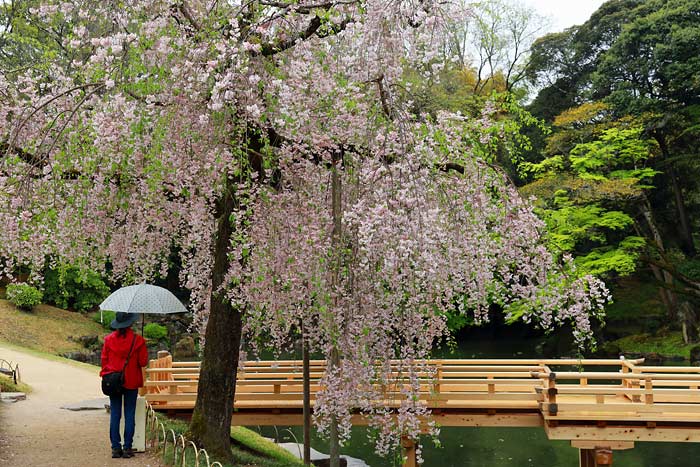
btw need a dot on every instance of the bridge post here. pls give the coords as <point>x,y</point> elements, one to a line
<point>409,452</point>
<point>599,453</point>
<point>598,457</point>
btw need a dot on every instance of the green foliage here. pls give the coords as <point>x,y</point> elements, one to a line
<point>155,331</point>
<point>570,224</point>
<point>22,41</point>
<point>458,320</point>
<point>24,296</point>
<point>546,167</point>
<point>602,158</point>
<point>653,63</point>
<point>632,60</point>
<point>71,287</point>
<point>563,63</point>
<point>622,260</point>
<point>690,268</point>
<point>584,196</point>
<point>107,317</point>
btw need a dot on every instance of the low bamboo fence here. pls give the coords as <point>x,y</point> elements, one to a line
<point>175,450</point>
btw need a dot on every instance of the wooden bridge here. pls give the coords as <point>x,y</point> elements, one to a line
<point>598,405</point>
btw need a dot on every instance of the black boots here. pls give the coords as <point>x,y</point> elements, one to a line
<point>117,453</point>
<point>128,453</point>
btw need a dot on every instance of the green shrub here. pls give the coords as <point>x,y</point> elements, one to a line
<point>71,287</point>
<point>690,268</point>
<point>107,317</point>
<point>155,331</point>
<point>24,296</point>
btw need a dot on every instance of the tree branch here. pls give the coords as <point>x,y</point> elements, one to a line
<point>187,13</point>
<point>384,97</point>
<point>307,8</point>
<point>674,272</point>
<point>6,149</point>
<point>143,99</point>
<point>270,49</point>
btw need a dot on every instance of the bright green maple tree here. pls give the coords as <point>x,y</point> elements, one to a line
<point>585,197</point>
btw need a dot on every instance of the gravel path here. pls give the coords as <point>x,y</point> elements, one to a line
<point>38,433</point>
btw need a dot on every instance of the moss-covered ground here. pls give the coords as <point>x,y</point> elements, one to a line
<point>637,323</point>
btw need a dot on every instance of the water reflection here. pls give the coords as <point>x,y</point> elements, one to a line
<point>501,447</point>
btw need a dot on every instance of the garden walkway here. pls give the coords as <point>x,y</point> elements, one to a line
<point>38,433</point>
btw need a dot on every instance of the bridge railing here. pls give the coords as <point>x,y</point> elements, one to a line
<point>446,383</point>
<point>642,394</point>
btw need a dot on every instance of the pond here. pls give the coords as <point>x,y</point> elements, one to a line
<point>499,447</point>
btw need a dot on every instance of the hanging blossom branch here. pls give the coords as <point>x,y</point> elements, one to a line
<point>417,243</point>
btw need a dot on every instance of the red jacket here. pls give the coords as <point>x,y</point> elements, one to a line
<point>114,353</point>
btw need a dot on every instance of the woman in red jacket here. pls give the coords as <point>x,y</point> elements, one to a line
<point>118,345</point>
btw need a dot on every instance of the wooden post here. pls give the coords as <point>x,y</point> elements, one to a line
<point>592,454</point>
<point>603,457</point>
<point>598,457</point>
<point>648,391</point>
<point>586,458</point>
<point>635,385</point>
<point>409,452</point>
<point>552,394</point>
<point>437,388</point>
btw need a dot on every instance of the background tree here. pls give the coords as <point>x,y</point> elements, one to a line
<point>651,70</point>
<point>494,43</point>
<point>562,63</point>
<point>637,73</point>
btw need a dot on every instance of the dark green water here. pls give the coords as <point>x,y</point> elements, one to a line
<point>501,447</point>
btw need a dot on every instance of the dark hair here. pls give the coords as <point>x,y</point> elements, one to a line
<point>122,331</point>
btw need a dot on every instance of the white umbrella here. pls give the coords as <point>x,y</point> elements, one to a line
<point>142,298</point>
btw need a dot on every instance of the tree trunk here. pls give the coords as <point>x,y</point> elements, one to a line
<point>211,420</point>
<point>687,243</point>
<point>333,434</point>
<point>690,323</point>
<point>668,297</point>
<point>664,293</point>
<point>686,232</point>
<point>307,398</point>
<point>337,200</point>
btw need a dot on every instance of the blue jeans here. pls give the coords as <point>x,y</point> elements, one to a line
<point>115,415</point>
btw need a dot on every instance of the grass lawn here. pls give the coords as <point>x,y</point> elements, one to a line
<point>45,329</point>
<point>7,385</point>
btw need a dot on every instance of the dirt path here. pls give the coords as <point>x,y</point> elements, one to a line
<point>38,433</point>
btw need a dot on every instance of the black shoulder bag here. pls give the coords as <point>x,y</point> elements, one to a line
<point>113,383</point>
